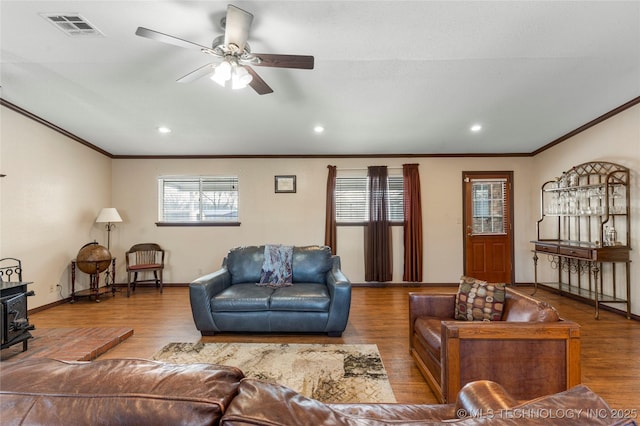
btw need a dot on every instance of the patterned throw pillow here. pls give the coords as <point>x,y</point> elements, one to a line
<point>479,301</point>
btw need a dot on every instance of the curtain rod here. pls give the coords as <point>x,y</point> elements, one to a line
<point>365,168</point>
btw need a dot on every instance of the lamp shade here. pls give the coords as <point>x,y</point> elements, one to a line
<point>222,73</point>
<point>108,214</point>
<point>240,78</point>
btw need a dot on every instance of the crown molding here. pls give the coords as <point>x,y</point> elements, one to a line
<point>549,145</point>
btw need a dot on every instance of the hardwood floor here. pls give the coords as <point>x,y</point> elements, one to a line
<point>610,345</point>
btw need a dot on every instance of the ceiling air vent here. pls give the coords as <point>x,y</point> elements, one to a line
<point>72,24</point>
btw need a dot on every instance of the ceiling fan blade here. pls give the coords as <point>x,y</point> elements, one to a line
<point>237,26</point>
<point>285,61</point>
<point>196,74</point>
<point>257,83</point>
<point>165,38</point>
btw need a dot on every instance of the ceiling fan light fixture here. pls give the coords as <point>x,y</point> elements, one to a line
<point>229,70</point>
<point>240,78</point>
<point>222,73</point>
<point>236,70</point>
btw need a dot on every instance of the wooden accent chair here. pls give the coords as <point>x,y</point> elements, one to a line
<point>144,258</point>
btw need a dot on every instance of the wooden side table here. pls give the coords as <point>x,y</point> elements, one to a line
<point>94,289</point>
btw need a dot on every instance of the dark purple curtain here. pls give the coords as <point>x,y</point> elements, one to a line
<point>378,262</point>
<point>412,224</point>
<point>330,231</point>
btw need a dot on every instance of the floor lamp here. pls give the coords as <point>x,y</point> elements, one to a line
<point>108,216</point>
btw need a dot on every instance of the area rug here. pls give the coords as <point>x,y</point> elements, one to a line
<point>69,344</point>
<point>330,373</point>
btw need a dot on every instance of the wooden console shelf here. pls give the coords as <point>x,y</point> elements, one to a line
<point>582,250</point>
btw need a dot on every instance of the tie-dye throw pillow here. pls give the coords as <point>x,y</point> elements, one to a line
<point>277,270</point>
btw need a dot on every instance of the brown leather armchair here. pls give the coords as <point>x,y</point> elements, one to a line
<point>144,258</point>
<point>531,352</point>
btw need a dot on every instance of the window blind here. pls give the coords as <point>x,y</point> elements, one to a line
<point>198,199</point>
<point>352,199</point>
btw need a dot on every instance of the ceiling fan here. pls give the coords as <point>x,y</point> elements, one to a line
<point>235,63</point>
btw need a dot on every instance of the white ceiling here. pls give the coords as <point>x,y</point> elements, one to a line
<point>390,77</point>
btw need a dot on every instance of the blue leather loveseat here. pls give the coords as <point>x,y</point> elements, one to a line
<point>229,300</point>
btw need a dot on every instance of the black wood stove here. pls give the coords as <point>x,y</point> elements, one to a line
<point>14,322</point>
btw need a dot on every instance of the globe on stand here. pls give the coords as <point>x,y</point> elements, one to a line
<point>93,258</point>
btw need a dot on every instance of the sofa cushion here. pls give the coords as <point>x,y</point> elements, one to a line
<point>428,331</point>
<point>115,391</point>
<point>247,297</point>
<point>266,404</point>
<point>576,406</point>
<point>311,264</point>
<point>301,297</point>
<point>245,263</point>
<point>523,308</point>
<point>478,300</point>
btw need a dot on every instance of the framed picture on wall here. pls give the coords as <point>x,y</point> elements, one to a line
<point>285,183</point>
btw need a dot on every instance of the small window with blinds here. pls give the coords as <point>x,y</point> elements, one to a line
<point>352,199</point>
<point>199,199</point>
<point>489,206</point>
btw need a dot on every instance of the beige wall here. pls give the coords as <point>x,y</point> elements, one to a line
<point>51,196</point>
<point>298,218</point>
<point>77,183</point>
<point>616,140</point>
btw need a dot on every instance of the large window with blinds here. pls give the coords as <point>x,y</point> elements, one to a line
<point>352,200</point>
<point>198,199</point>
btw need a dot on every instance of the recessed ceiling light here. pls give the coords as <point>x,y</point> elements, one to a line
<point>318,129</point>
<point>476,127</point>
<point>163,129</point>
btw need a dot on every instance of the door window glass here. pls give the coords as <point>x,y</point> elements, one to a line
<point>488,206</point>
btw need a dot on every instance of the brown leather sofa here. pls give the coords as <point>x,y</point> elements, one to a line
<point>531,352</point>
<point>42,391</point>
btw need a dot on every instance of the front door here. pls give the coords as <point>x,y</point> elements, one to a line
<point>488,226</point>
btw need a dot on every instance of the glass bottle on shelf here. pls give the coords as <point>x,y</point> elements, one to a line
<point>583,202</point>
<point>596,195</point>
<point>610,236</point>
<point>617,201</point>
<point>571,203</point>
